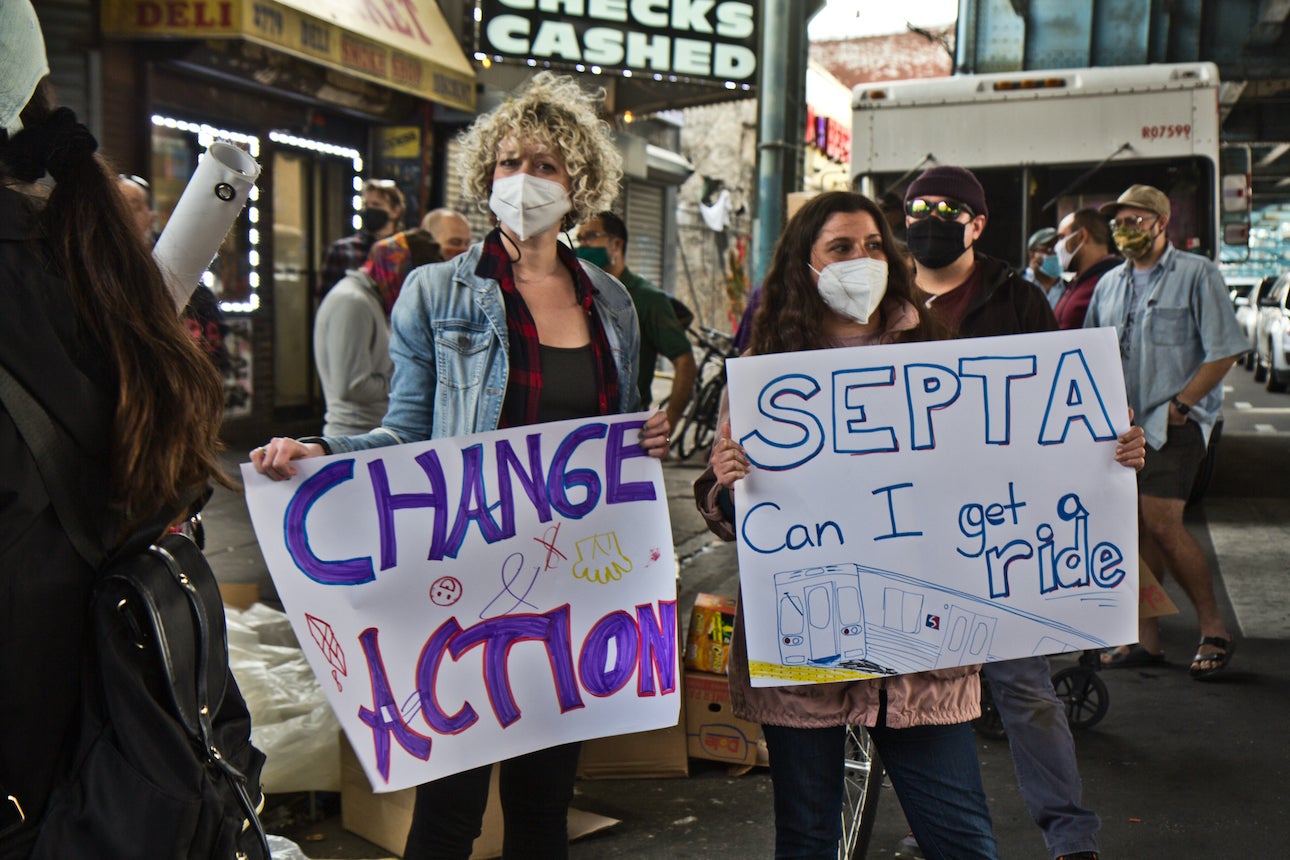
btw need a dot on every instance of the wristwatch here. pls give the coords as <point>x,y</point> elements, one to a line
<point>1182,408</point>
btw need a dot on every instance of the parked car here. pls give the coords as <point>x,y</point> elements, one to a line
<point>1272,336</point>
<point>1245,294</point>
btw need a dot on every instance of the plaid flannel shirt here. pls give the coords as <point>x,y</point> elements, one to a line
<point>524,387</point>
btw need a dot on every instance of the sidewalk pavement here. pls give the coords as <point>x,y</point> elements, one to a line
<point>1177,769</point>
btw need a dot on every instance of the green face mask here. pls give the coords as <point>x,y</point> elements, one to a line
<point>596,256</point>
<point>1133,242</point>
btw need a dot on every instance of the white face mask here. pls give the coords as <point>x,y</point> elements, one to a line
<point>1065,257</point>
<point>853,288</point>
<point>529,205</point>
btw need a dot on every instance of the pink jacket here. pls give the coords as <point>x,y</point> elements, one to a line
<point>937,697</point>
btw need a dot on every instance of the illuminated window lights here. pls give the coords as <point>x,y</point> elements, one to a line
<point>206,135</point>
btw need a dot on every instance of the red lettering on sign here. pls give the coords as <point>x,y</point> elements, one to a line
<point>200,16</point>
<point>405,69</point>
<point>362,56</point>
<point>148,14</point>
<point>399,16</point>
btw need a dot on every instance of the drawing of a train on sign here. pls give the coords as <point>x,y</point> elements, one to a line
<point>848,616</point>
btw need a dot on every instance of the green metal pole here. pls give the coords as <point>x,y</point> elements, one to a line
<point>781,96</point>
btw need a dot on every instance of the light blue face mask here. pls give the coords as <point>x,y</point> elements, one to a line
<point>1051,266</point>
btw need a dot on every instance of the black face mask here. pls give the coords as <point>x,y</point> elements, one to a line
<point>934,243</point>
<point>374,220</point>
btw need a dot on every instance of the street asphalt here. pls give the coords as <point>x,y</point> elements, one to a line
<point>1176,769</point>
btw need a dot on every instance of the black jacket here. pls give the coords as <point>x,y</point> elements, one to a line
<point>1006,303</point>
<point>44,584</point>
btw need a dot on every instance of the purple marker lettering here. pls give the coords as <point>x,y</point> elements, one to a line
<point>559,650</point>
<point>427,676</point>
<point>387,503</point>
<point>353,571</point>
<point>473,505</point>
<point>598,678</point>
<point>658,648</point>
<point>498,635</point>
<point>384,718</point>
<point>532,481</point>
<point>559,481</point>
<point>616,492</point>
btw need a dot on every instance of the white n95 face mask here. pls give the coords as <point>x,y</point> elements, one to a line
<point>528,205</point>
<point>1064,257</point>
<point>853,288</point>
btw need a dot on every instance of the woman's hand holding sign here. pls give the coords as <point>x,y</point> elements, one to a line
<point>729,461</point>
<point>655,437</point>
<point>274,457</point>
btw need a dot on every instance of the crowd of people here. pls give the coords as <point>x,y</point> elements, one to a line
<point>100,345</point>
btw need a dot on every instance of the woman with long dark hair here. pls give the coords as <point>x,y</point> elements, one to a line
<point>89,329</point>
<point>837,279</point>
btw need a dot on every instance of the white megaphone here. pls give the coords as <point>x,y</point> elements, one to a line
<point>206,210</point>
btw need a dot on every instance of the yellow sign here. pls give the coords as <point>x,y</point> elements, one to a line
<point>406,45</point>
<point>400,141</point>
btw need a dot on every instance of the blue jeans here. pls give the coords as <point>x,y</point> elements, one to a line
<point>934,770</point>
<point>1043,753</point>
<point>535,791</point>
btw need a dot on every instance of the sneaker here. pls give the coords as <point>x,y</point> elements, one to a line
<point>907,849</point>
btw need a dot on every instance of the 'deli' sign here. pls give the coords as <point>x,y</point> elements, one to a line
<point>920,506</point>
<point>706,39</point>
<point>467,600</point>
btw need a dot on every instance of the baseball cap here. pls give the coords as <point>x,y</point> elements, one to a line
<point>1139,197</point>
<point>22,60</point>
<point>1044,236</point>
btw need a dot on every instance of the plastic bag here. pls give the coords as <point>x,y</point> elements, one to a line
<point>283,848</point>
<point>290,718</point>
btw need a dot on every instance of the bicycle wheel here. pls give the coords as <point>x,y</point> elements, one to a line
<point>697,430</point>
<point>863,776</point>
<point>1084,694</point>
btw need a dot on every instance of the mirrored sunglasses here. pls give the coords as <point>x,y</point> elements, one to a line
<point>946,210</point>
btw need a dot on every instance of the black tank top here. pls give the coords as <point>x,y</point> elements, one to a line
<point>568,384</point>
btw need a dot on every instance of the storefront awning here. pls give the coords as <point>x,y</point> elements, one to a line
<point>407,46</point>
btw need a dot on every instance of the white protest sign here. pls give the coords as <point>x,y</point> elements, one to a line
<point>467,600</point>
<point>925,505</point>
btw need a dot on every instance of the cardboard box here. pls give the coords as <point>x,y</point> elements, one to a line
<point>712,623</point>
<point>384,819</point>
<point>712,730</point>
<point>239,595</point>
<point>644,755</point>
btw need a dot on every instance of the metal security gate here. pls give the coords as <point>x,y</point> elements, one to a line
<point>643,212</point>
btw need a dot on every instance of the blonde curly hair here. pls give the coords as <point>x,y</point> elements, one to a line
<point>555,112</point>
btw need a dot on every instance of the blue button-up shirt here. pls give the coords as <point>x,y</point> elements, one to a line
<point>1186,320</point>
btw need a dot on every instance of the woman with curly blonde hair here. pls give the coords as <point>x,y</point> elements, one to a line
<point>515,331</point>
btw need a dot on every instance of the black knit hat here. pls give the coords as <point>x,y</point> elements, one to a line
<point>956,183</point>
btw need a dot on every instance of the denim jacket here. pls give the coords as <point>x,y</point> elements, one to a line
<point>449,342</point>
<point>1186,321</point>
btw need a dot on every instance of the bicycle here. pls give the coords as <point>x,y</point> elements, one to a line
<point>697,426</point>
<point>862,774</point>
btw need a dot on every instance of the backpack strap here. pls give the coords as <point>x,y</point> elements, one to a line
<point>50,446</point>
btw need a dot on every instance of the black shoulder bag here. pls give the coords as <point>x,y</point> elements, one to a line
<point>164,766</point>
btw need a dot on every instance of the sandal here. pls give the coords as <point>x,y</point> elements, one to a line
<point>1220,658</point>
<point>1135,656</point>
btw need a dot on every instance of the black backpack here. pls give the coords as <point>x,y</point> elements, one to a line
<point>163,766</point>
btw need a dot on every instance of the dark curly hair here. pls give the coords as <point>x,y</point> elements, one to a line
<point>791,316</point>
